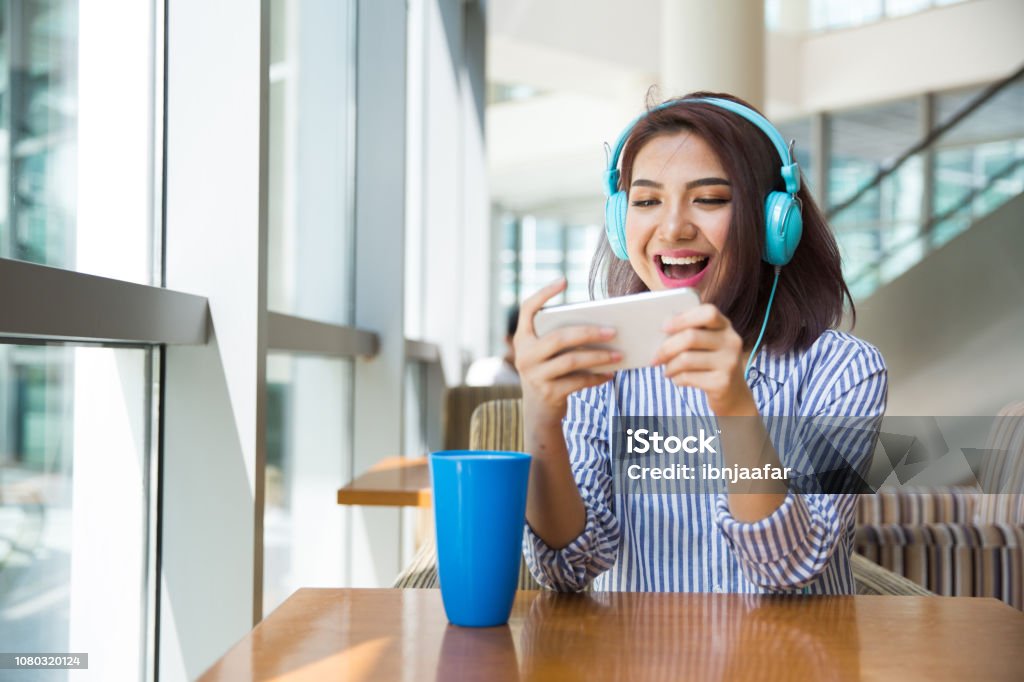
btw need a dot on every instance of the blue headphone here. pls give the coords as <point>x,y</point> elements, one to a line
<point>783,220</point>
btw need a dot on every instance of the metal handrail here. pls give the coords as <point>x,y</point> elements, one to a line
<point>927,141</point>
<point>951,212</point>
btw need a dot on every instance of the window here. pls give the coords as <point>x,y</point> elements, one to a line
<point>311,160</point>
<point>835,14</point>
<point>979,163</point>
<point>310,269</point>
<point>76,144</point>
<point>863,141</point>
<point>532,252</point>
<point>308,441</point>
<point>77,438</point>
<point>74,503</point>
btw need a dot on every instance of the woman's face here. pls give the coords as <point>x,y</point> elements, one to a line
<point>679,211</point>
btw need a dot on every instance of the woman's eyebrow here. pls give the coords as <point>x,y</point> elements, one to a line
<point>701,182</point>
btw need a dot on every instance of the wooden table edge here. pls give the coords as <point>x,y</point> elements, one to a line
<point>357,492</point>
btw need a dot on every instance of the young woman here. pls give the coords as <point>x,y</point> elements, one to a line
<point>707,189</point>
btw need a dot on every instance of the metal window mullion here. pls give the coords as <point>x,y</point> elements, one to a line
<point>14,17</point>
<point>928,120</point>
<point>821,142</point>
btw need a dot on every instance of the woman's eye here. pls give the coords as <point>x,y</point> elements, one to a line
<point>643,203</point>
<point>711,200</point>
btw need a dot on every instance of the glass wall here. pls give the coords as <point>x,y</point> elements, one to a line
<point>826,15</point>
<point>933,195</point>
<point>77,192</point>
<point>91,439</point>
<point>76,145</point>
<point>38,121</point>
<point>534,251</point>
<point>980,163</point>
<point>74,502</point>
<point>310,270</point>
<point>308,459</point>
<point>311,157</point>
<point>862,142</point>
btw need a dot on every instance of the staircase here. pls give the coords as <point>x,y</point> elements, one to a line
<point>942,293</point>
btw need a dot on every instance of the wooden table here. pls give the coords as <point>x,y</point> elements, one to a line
<point>358,634</point>
<point>392,482</point>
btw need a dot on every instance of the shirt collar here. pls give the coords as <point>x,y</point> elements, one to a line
<point>774,366</point>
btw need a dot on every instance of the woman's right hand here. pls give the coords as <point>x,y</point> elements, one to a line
<point>553,366</point>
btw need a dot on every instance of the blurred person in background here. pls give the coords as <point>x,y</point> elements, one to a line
<point>498,371</point>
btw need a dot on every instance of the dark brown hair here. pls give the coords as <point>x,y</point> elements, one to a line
<point>811,288</point>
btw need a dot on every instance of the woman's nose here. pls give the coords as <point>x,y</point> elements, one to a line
<point>678,225</point>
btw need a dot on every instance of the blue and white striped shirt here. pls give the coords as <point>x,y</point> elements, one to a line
<point>691,542</point>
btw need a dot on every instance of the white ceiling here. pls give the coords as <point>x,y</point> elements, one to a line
<point>618,33</point>
<point>594,61</point>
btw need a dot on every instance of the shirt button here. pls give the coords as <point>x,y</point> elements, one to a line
<point>753,373</point>
<point>718,590</point>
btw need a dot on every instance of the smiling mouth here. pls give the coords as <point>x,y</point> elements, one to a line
<point>683,268</point>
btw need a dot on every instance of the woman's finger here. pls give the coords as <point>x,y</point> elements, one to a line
<point>710,381</point>
<point>560,340</point>
<point>686,340</point>
<point>534,303</point>
<point>532,350</point>
<point>699,361</point>
<point>579,381</point>
<point>576,361</point>
<point>706,315</point>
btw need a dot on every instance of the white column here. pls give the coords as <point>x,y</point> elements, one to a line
<point>453,198</point>
<point>443,181</point>
<point>476,202</point>
<point>716,46</point>
<point>215,395</point>
<point>379,274</point>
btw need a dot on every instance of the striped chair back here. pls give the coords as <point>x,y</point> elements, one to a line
<point>498,425</point>
<point>1002,478</point>
<point>459,404</point>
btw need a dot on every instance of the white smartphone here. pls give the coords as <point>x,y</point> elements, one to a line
<point>638,320</point>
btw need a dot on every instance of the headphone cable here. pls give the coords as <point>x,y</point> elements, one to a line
<point>764,325</point>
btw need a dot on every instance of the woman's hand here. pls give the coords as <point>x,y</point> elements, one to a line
<point>553,366</point>
<point>704,351</point>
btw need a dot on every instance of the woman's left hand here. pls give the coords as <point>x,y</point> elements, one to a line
<point>704,351</point>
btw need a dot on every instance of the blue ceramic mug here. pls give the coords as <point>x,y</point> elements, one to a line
<point>479,512</point>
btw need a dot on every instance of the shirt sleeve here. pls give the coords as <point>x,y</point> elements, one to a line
<point>573,567</point>
<point>792,546</point>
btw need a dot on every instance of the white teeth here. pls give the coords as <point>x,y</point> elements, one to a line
<point>688,260</point>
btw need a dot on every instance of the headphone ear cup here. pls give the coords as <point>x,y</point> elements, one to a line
<point>615,223</point>
<point>784,225</point>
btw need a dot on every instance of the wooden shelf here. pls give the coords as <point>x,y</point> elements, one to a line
<point>392,482</point>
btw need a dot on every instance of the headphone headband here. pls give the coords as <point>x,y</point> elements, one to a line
<point>790,171</point>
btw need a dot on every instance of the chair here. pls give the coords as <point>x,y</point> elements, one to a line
<point>958,542</point>
<point>459,403</point>
<point>498,425</point>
